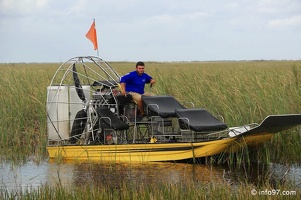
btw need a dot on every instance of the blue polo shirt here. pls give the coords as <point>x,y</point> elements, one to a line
<point>134,82</point>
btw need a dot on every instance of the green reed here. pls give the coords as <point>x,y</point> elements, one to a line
<point>23,121</point>
<point>187,190</point>
<point>241,92</point>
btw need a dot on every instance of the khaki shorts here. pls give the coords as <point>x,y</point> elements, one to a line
<point>136,96</point>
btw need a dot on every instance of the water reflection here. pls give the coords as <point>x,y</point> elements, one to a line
<point>259,174</point>
<point>152,174</point>
<point>32,175</point>
<point>28,175</point>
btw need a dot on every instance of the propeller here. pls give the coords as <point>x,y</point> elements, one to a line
<point>78,86</point>
<point>80,120</point>
<point>78,126</point>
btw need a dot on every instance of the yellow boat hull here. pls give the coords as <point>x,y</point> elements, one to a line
<point>139,152</point>
<point>249,141</point>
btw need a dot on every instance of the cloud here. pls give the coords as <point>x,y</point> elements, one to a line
<point>285,22</point>
<point>158,30</point>
<point>24,7</point>
<point>178,18</point>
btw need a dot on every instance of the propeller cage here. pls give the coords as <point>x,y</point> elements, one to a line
<point>82,84</point>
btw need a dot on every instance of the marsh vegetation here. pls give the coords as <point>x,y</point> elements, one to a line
<point>242,92</point>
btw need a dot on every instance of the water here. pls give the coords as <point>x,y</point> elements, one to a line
<point>31,175</point>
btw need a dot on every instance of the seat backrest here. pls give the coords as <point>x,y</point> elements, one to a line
<point>163,106</point>
<point>123,100</point>
<point>199,120</point>
<point>110,120</point>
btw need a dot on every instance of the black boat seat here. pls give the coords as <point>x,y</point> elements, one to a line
<point>163,106</point>
<point>199,120</point>
<point>109,120</point>
<point>123,100</point>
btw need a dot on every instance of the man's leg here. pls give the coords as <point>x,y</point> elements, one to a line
<point>138,100</point>
<point>140,103</point>
<point>140,107</point>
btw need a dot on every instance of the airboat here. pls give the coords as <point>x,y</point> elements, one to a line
<point>89,120</point>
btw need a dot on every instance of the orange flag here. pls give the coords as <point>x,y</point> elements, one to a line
<point>91,35</point>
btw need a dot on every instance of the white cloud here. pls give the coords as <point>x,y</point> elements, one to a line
<point>79,6</point>
<point>177,19</point>
<point>158,30</point>
<point>21,7</point>
<point>284,22</point>
<point>278,6</point>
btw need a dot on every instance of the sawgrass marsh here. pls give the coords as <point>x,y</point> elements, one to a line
<point>242,92</point>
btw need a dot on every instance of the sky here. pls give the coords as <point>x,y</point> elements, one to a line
<point>153,30</point>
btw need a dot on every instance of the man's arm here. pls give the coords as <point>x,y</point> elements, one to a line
<point>123,92</point>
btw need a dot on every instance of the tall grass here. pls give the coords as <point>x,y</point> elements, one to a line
<point>129,191</point>
<point>22,106</point>
<point>242,92</point>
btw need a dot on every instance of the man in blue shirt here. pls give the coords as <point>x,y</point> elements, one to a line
<point>134,82</point>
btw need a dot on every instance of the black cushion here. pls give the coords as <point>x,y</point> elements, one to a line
<point>163,106</point>
<point>113,122</point>
<point>123,100</point>
<point>199,120</point>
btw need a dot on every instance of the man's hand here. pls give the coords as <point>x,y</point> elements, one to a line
<point>123,92</point>
<point>152,81</point>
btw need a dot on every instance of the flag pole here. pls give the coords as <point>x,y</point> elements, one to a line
<point>96,37</point>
